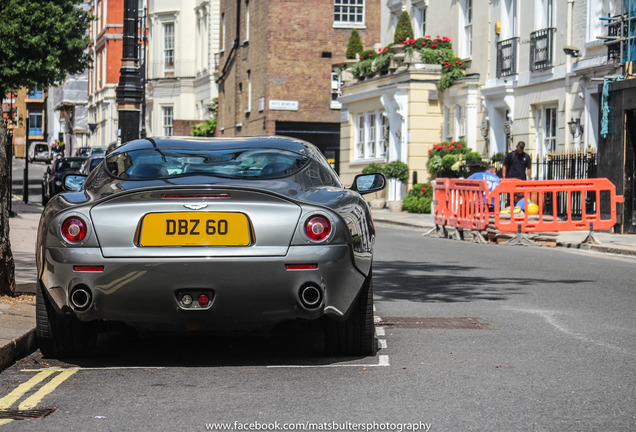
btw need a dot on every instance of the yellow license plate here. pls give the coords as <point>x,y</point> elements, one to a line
<point>195,229</point>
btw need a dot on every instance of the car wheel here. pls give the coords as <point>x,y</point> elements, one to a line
<point>61,336</point>
<point>355,335</point>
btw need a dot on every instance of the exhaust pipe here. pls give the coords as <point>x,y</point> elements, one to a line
<point>310,296</point>
<point>81,297</point>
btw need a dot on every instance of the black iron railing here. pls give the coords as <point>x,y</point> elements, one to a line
<point>567,166</point>
<point>541,49</point>
<point>507,57</point>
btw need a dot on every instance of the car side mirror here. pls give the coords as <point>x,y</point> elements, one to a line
<point>368,183</point>
<point>74,182</point>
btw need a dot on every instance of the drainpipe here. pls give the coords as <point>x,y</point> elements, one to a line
<point>568,70</point>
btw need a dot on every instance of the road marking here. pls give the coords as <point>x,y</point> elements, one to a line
<point>97,368</point>
<point>48,388</point>
<point>23,388</point>
<point>31,402</point>
<point>383,360</point>
<point>549,317</point>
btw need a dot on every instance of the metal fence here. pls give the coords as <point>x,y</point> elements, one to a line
<point>567,166</point>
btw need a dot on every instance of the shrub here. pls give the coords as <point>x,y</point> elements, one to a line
<point>448,161</point>
<point>373,168</point>
<point>403,29</point>
<point>354,46</point>
<point>473,157</point>
<point>363,67</point>
<point>498,157</point>
<point>436,155</point>
<point>397,170</point>
<point>206,129</point>
<point>419,199</point>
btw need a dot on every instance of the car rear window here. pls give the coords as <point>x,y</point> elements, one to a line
<point>229,163</point>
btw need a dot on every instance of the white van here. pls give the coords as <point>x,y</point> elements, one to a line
<point>39,151</point>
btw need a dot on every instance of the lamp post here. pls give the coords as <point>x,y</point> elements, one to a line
<point>129,91</point>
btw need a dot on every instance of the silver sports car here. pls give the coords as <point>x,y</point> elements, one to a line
<point>210,235</point>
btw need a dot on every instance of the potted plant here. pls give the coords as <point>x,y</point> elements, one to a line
<point>377,202</point>
<point>399,171</point>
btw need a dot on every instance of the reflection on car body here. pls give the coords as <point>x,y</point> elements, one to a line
<point>209,234</point>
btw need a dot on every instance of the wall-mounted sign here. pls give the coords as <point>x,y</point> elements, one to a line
<point>283,105</point>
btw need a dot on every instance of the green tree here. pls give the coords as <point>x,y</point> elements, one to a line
<point>354,46</point>
<point>41,42</point>
<point>208,127</point>
<point>403,30</point>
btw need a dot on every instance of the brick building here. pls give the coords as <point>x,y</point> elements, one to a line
<point>277,66</point>
<point>106,49</point>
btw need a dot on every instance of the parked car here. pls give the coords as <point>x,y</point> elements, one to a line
<point>53,180</point>
<point>97,150</point>
<point>39,152</point>
<point>208,234</point>
<point>83,151</point>
<point>91,163</point>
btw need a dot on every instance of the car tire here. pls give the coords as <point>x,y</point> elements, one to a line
<point>355,335</point>
<point>60,336</point>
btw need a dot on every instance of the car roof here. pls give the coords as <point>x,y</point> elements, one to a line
<point>208,143</point>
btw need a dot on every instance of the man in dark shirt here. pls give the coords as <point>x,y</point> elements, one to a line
<point>517,164</point>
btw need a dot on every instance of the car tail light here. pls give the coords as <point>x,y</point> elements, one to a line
<point>74,229</point>
<point>204,300</point>
<point>317,228</point>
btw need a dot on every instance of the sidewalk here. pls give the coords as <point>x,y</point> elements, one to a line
<point>17,316</point>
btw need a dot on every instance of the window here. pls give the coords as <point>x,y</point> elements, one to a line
<point>448,124</point>
<point>467,23</point>
<point>336,88</point>
<point>549,129</point>
<point>247,20</point>
<point>509,20</point>
<point>35,124</point>
<point>247,163</point>
<point>371,135</point>
<point>419,22</point>
<point>548,12</point>
<point>249,91</point>
<point>168,46</point>
<point>222,42</point>
<point>370,144</point>
<point>167,121</point>
<point>348,13</point>
<point>596,10</point>
<point>359,149</point>
<point>459,123</point>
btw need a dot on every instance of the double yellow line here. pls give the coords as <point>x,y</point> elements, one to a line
<point>32,401</point>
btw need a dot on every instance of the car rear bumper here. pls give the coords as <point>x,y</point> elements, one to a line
<point>246,292</point>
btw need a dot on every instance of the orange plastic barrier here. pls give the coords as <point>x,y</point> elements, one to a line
<point>440,201</point>
<point>468,204</point>
<point>554,191</point>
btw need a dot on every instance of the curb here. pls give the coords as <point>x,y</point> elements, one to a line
<point>18,348</point>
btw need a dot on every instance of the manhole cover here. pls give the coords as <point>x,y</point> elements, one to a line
<point>32,414</point>
<point>435,323</point>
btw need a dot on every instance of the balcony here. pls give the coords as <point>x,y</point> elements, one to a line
<point>507,57</point>
<point>36,94</point>
<point>541,49</point>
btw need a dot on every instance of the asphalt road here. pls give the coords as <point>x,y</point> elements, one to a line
<point>36,172</point>
<point>474,338</point>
